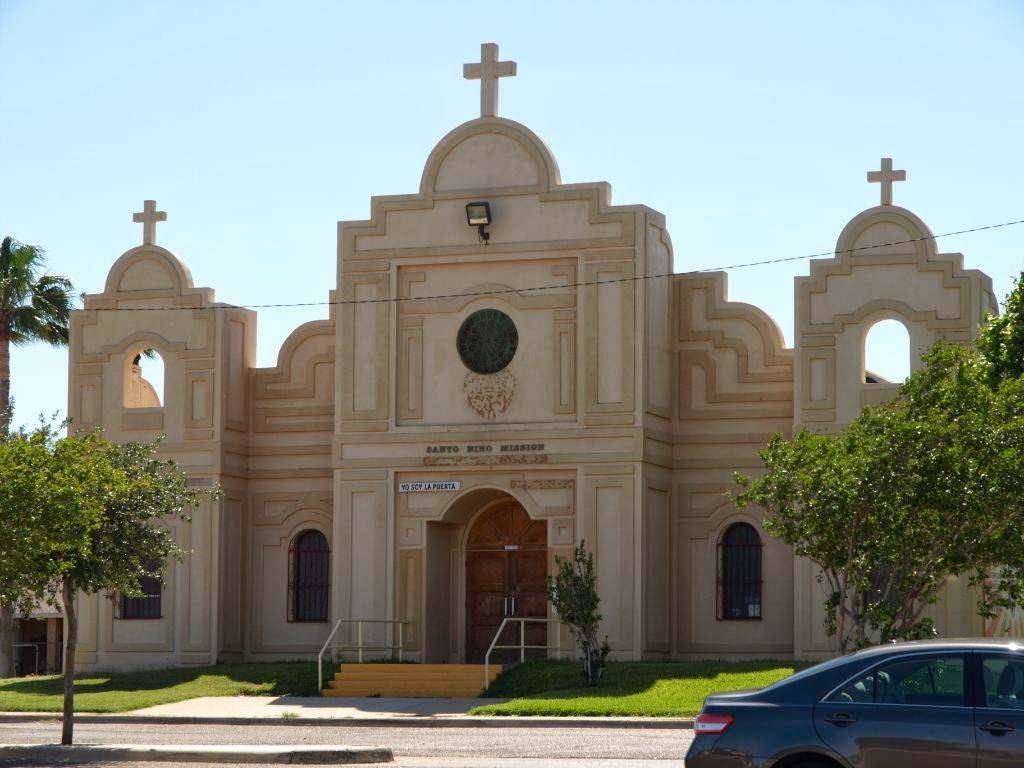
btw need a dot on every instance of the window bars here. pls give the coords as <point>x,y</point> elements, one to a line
<point>309,577</point>
<point>740,579</point>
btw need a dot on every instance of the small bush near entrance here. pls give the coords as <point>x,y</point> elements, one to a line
<point>650,689</point>
<point>135,690</point>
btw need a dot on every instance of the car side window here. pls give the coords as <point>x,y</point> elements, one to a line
<point>860,691</point>
<point>1004,681</point>
<point>929,681</point>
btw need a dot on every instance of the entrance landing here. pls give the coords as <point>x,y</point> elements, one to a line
<point>410,680</point>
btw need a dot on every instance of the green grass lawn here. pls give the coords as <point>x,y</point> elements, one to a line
<point>133,690</point>
<point>536,688</point>
<point>652,689</point>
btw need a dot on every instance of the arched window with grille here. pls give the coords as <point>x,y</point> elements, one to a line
<point>309,562</point>
<point>739,573</point>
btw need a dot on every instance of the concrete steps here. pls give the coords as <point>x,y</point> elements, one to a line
<point>410,680</point>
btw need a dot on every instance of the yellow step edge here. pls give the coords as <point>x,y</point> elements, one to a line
<point>404,695</point>
<point>391,675</point>
<point>361,686</point>
<point>409,683</point>
<point>413,676</point>
<point>422,667</point>
<point>361,690</point>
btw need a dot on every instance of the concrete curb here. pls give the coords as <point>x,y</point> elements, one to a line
<point>411,721</point>
<point>288,755</point>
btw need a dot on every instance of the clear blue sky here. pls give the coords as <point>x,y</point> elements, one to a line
<point>258,125</point>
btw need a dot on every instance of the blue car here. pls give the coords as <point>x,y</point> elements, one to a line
<point>934,704</point>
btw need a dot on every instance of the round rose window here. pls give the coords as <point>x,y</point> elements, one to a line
<point>487,341</point>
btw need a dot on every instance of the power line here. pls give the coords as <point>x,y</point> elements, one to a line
<point>564,286</point>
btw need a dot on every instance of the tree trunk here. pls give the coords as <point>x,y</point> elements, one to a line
<point>6,612</point>
<point>6,641</point>
<point>70,615</point>
<point>5,375</point>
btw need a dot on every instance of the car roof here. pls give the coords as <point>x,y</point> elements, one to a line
<point>948,644</point>
<point>817,680</point>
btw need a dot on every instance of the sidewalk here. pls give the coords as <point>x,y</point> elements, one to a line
<point>57,754</point>
<point>315,710</point>
<point>310,707</point>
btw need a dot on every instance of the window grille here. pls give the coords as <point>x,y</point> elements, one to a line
<point>308,577</point>
<point>148,605</point>
<point>739,574</point>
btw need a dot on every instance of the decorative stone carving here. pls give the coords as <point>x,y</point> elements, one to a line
<point>542,485</point>
<point>486,461</point>
<point>490,395</point>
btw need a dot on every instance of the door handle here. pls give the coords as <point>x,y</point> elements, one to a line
<point>513,605</point>
<point>997,727</point>
<point>840,719</point>
<point>504,606</point>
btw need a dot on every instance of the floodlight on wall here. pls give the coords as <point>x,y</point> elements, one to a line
<point>479,215</point>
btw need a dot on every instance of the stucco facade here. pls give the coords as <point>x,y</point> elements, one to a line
<point>632,397</point>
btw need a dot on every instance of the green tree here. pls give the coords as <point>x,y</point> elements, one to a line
<point>913,492</point>
<point>100,515</point>
<point>573,592</point>
<point>1001,341</point>
<point>34,306</point>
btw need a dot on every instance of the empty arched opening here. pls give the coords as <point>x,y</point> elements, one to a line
<point>886,353</point>
<point>144,379</point>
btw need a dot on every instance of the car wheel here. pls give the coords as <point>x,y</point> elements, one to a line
<point>808,761</point>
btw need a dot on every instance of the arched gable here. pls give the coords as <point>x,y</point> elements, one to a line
<point>490,153</point>
<point>884,229</point>
<point>886,266</point>
<point>299,341</point>
<point>149,268</point>
<point>298,393</point>
<point>732,357</point>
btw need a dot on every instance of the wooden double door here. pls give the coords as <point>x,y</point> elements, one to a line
<point>506,568</point>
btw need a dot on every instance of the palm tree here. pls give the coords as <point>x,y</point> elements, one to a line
<point>33,307</point>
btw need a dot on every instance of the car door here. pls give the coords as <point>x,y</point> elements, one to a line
<point>909,710</point>
<point>999,715</point>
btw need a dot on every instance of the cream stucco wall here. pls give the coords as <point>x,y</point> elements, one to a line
<point>206,348</point>
<point>886,267</point>
<point>633,397</point>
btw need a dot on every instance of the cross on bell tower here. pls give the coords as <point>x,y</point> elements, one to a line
<point>148,217</point>
<point>487,72</point>
<point>886,176</point>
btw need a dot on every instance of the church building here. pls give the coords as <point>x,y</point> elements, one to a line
<point>508,366</point>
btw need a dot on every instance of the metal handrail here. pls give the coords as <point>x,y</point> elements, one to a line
<point>35,647</point>
<point>522,646</point>
<point>400,623</point>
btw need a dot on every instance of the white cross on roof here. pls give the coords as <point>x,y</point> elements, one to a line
<point>148,217</point>
<point>487,72</point>
<point>886,176</point>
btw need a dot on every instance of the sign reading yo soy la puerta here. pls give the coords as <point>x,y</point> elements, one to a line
<point>433,485</point>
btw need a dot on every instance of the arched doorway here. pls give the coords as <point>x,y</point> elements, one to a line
<point>506,568</point>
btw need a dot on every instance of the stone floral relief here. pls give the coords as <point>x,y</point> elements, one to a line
<point>543,485</point>
<point>486,460</point>
<point>489,395</point>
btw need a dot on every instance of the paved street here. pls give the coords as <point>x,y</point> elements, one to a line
<point>404,762</point>
<point>414,747</point>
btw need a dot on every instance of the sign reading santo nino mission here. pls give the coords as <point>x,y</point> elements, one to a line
<point>491,385</point>
<point>477,448</point>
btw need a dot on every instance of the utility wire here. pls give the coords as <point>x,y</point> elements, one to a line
<point>564,286</point>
